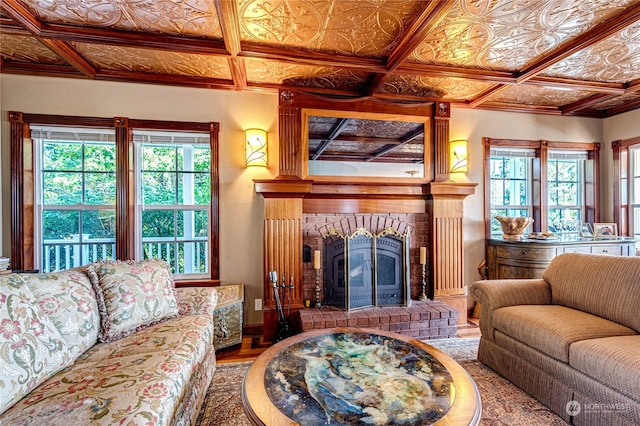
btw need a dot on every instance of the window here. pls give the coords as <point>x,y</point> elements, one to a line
<point>634,202</point>
<point>173,199</point>
<point>626,195</point>
<point>565,180</point>
<point>114,188</point>
<point>510,187</point>
<point>553,182</point>
<point>75,196</point>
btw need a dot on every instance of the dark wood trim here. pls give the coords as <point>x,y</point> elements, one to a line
<point>618,148</point>
<point>486,173</point>
<point>214,251</point>
<point>197,283</point>
<point>622,182</point>
<point>488,94</point>
<point>125,190</point>
<point>541,195</point>
<point>20,247</point>
<point>592,185</point>
<point>586,103</point>
<point>22,15</point>
<point>71,55</point>
<point>252,329</point>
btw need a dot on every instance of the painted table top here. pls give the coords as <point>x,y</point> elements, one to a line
<point>357,376</point>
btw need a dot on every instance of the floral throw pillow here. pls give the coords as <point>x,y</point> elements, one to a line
<point>31,348</point>
<point>132,295</point>
<point>68,299</point>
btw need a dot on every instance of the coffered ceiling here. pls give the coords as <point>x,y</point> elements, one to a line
<point>571,57</point>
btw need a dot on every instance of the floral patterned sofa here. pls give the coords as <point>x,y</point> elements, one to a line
<point>109,343</point>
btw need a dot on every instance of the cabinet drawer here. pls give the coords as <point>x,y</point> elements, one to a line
<point>526,253</point>
<point>577,249</point>
<point>519,271</point>
<point>612,250</point>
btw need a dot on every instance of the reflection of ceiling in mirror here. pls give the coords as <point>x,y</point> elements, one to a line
<point>359,140</point>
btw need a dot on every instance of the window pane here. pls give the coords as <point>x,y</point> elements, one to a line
<point>497,169</point>
<point>520,167</point>
<point>191,224</point>
<point>61,188</point>
<point>158,188</point>
<point>202,159</point>
<point>158,158</point>
<point>198,187</point>
<point>497,192</point>
<point>99,224</point>
<point>158,224</point>
<point>98,235</point>
<point>100,188</point>
<point>100,157</point>
<point>60,224</point>
<point>62,156</point>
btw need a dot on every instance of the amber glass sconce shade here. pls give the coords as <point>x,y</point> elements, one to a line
<point>255,147</point>
<point>458,156</point>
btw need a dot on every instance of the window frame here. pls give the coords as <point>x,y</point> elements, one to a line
<point>23,175</point>
<point>622,198</point>
<point>539,190</point>
<point>41,206</point>
<point>528,179</point>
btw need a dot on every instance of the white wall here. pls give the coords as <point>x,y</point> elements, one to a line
<point>473,125</point>
<point>241,209</point>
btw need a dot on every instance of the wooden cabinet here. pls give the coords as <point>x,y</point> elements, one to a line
<point>508,259</point>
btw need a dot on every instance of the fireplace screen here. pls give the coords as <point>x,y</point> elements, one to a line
<point>364,270</point>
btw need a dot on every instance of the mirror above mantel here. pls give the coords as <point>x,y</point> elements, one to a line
<point>367,139</point>
<point>347,143</point>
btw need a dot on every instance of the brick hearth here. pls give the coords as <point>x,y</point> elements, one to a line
<point>422,320</point>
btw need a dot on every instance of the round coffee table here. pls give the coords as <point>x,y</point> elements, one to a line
<point>358,376</point>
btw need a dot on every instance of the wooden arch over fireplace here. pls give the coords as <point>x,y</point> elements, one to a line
<point>295,193</point>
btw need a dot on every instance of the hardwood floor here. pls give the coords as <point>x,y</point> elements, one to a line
<point>253,345</point>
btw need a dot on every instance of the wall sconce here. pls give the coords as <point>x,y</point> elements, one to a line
<point>255,147</point>
<point>458,156</point>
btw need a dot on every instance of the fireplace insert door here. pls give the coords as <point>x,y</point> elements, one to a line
<point>364,271</point>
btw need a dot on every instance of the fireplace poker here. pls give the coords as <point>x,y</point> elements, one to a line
<point>273,276</point>
<point>291,287</point>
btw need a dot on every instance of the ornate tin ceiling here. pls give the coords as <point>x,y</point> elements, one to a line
<point>573,57</point>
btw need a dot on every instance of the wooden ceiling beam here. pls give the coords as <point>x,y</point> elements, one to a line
<point>628,106</point>
<point>165,79</point>
<point>429,70</point>
<point>45,70</point>
<point>71,55</point>
<point>431,16</point>
<point>598,33</point>
<point>564,83</point>
<point>22,16</point>
<point>570,109</point>
<point>69,33</point>
<point>487,94</point>
<point>310,57</point>
<point>230,25</point>
<point>633,87</point>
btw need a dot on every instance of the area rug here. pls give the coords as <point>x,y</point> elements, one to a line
<point>502,402</point>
